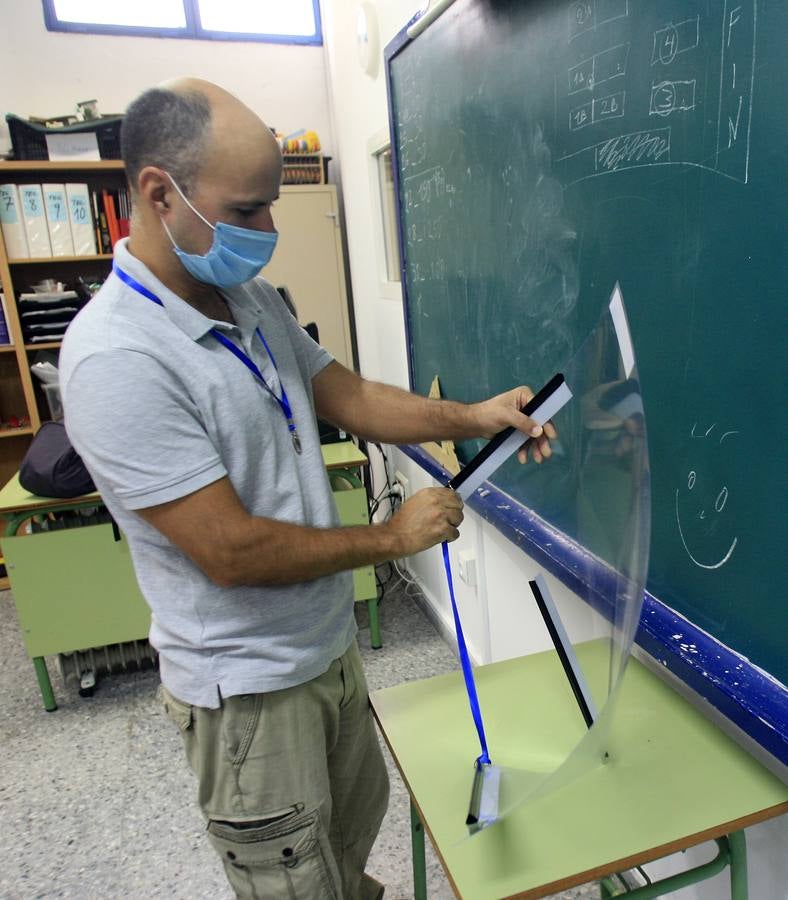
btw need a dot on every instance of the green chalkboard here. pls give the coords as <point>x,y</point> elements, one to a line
<point>546,150</point>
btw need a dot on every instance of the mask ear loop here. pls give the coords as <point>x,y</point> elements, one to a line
<point>188,203</point>
<point>169,235</point>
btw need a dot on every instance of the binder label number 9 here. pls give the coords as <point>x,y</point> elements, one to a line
<point>55,207</point>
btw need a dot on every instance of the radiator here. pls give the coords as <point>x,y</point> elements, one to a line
<point>84,666</point>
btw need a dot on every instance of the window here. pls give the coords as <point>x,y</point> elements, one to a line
<point>383,201</point>
<point>388,208</point>
<point>276,21</point>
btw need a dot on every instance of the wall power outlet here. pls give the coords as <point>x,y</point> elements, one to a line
<point>466,567</point>
<point>401,486</point>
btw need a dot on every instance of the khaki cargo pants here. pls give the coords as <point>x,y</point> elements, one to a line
<point>293,785</point>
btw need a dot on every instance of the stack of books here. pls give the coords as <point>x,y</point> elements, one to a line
<point>40,221</point>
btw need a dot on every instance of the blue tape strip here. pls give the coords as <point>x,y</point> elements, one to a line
<point>465,662</point>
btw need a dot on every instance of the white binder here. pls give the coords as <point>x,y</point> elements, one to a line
<point>83,231</point>
<point>56,207</point>
<point>12,223</point>
<point>35,220</point>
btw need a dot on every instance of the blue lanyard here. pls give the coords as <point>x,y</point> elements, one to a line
<point>282,402</point>
<point>465,662</point>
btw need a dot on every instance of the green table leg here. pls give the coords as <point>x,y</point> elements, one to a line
<point>44,683</point>
<point>737,846</point>
<point>374,623</point>
<point>732,852</point>
<point>419,858</point>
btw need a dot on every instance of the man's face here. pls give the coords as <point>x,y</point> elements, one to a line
<point>237,184</point>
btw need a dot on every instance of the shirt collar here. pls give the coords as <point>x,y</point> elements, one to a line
<point>246,311</point>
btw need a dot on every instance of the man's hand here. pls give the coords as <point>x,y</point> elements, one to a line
<point>502,411</point>
<point>429,517</point>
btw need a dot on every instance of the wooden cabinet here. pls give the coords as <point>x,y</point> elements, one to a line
<point>309,260</point>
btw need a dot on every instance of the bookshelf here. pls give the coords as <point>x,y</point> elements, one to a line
<point>307,217</point>
<point>20,394</point>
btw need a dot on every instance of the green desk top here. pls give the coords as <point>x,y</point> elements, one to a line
<point>14,498</point>
<point>673,779</point>
<point>345,453</point>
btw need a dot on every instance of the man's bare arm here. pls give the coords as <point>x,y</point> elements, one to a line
<point>380,412</point>
<point>233,547</point>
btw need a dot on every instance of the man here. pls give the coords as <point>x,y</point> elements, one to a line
<point>191,393</point>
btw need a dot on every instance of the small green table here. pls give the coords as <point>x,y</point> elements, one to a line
<point>673,781</point>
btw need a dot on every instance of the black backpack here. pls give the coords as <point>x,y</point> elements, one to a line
<point>52,467</point>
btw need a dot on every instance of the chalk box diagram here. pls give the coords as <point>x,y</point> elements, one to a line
<point>626,85</point>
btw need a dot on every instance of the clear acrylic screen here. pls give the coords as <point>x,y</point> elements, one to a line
<point>600,517</point>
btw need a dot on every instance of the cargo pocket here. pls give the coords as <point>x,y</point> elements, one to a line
<point>178,712</point>
<point>286,856</point>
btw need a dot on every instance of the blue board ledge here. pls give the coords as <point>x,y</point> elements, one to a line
<point>739,690</point>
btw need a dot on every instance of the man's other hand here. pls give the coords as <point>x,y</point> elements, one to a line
<point>503,411</point>
<point>429,517</point>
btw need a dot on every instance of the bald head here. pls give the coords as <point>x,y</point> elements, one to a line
<point>191,128</point>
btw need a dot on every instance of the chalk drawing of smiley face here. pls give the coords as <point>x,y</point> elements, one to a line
<point>702,512</point>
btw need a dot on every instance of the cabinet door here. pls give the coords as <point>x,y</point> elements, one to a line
<point>309,261</point>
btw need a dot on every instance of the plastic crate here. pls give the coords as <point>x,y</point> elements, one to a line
<point>28,139</point>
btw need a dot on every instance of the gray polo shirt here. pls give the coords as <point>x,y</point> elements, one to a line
<point>158,409</point>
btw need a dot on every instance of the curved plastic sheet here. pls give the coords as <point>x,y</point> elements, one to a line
<point>600,520</point>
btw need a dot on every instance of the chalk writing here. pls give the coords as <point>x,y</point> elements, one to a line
<point>675,39</point>
<point>588,15</point>
<point>599,68</point>
<point>598,110</point>
<point>669,96</point>
<point>636,149</point>
<point>703,70</point>
<point>698,511</point>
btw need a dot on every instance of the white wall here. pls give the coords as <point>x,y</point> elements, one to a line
<point>496,624</point>
<point>44,73</point>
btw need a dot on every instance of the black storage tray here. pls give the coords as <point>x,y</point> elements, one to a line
<point>28,139</point>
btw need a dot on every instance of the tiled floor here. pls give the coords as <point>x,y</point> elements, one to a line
<point>96,800</point>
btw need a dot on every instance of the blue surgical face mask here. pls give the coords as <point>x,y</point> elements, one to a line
<point>235,256</point>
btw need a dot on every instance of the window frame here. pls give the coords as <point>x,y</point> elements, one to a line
<point>193,30</point>
<point>377,144</point>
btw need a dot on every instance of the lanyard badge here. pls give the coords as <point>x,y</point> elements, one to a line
<point>282,402</point>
